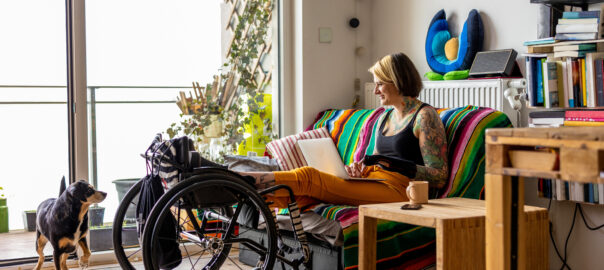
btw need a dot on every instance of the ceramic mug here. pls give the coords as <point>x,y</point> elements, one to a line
<point>417,192</point>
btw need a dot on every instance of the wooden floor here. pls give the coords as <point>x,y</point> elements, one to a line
<point>21,244</point>
<point>228,265</point>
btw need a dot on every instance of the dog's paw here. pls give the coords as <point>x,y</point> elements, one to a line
<point>83,264</point>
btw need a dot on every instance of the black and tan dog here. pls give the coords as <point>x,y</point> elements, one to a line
<point>64,223</point>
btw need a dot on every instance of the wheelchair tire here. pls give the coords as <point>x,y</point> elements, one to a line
<point>209,193</point>
<point>125,240</point>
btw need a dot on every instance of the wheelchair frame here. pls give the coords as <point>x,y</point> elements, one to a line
<point>188,177</point>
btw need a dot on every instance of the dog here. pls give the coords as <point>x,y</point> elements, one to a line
<point>64,223</point>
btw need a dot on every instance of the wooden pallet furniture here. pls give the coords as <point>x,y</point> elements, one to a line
<point>460,230</point>
<point>579,157</point>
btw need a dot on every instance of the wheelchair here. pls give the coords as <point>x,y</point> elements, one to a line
<point>206,210</point>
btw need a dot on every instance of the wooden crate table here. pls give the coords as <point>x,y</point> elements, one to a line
<point>515,153</point>
<point>460,230</point>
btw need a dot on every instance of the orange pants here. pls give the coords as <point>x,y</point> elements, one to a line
<point>312,186</point>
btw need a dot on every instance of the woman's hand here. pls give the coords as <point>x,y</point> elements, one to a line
<point>355,169</point>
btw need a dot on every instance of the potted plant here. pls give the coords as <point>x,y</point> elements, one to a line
<point>122,186</point>
<point>29,220</point>
<point>3,212</point>
<point>95,215</point>
<point>101,237</point>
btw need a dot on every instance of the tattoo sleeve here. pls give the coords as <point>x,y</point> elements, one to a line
<point>265,181</point>
<point>433,145</point>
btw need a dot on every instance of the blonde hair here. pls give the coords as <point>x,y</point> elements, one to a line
<point>399,70</point>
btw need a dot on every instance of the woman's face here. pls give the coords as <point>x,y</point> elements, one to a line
<point>387,92</point>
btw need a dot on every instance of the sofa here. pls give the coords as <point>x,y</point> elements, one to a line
<point>400,246</point>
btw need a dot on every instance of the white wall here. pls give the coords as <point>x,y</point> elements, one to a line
<point>322,73</point>
<point>401,26</point>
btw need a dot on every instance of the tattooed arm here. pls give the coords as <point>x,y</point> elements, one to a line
<point>433,144</point>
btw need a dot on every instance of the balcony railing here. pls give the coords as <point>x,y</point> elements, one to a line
<point>92,102</point>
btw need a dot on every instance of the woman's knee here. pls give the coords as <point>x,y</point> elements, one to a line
<point>308,173</point>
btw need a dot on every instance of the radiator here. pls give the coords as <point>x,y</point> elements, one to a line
<point>452,94</point>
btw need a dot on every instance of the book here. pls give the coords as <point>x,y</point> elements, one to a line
<point>579,192</point>
<point>561,83</point>
<point>548,114</point>
<point>530,82</point>
<point>584,119</point>
<point>581,14</point>
<point>584,114</point>
<point>588,193</point>
<point>601,193</point>
<point>575,47</point>
<point>578,21</point>
<point>576,36</point>
<point>568,90</point>
<point>583,83</point>
<point>590,74</point>
<point>550,122</point>
<point>576,75</point>
<point>550,84</point>
<point>596,195</point>
<point>539,79</point>
<point>540,49</point>
<point>599,95</point>
<point>560,193</point>
<point>571,53</point>
<point>583,124</point>
<point>577,28</point>
<point>547,40</point>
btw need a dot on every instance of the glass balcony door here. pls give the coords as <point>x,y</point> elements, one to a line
<point>140,55</point>
<point>33,114</point>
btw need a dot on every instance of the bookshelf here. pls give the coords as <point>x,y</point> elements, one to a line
<point>559,4</point>
<point>565,75</point>
<point>580,159</point>
<point>567,2</point>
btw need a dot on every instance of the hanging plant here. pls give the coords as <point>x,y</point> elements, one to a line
<point>232,98</point>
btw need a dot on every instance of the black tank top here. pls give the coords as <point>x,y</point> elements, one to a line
<point>403,145</point>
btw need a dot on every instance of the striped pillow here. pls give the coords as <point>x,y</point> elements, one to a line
<point>287,153</point>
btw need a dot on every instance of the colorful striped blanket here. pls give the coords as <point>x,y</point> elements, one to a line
<point>404,246</point>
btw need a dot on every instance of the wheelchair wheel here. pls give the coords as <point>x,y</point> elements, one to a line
<point>125,236</point>
<point>208,209</point>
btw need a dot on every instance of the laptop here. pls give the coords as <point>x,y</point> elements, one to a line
<point>323,155</point>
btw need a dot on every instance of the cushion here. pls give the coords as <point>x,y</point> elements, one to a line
<point>457,75</point>
<point>470,42</point>
<point>433,76</point>
<point>351,131</point>
<point>287,153</point>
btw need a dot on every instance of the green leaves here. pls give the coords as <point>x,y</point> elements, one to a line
<point>250,39</point>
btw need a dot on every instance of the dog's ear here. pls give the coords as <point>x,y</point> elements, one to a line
<point>69,191</point>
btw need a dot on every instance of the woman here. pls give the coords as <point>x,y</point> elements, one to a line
<point>411,131</point>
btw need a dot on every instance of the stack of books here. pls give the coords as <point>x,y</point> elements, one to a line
<point>579,25</point>
<point>584,118</point>
<point>546,118</point>
<point>576,50</point>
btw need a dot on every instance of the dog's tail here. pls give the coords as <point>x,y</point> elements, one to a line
<point>63,187</point>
